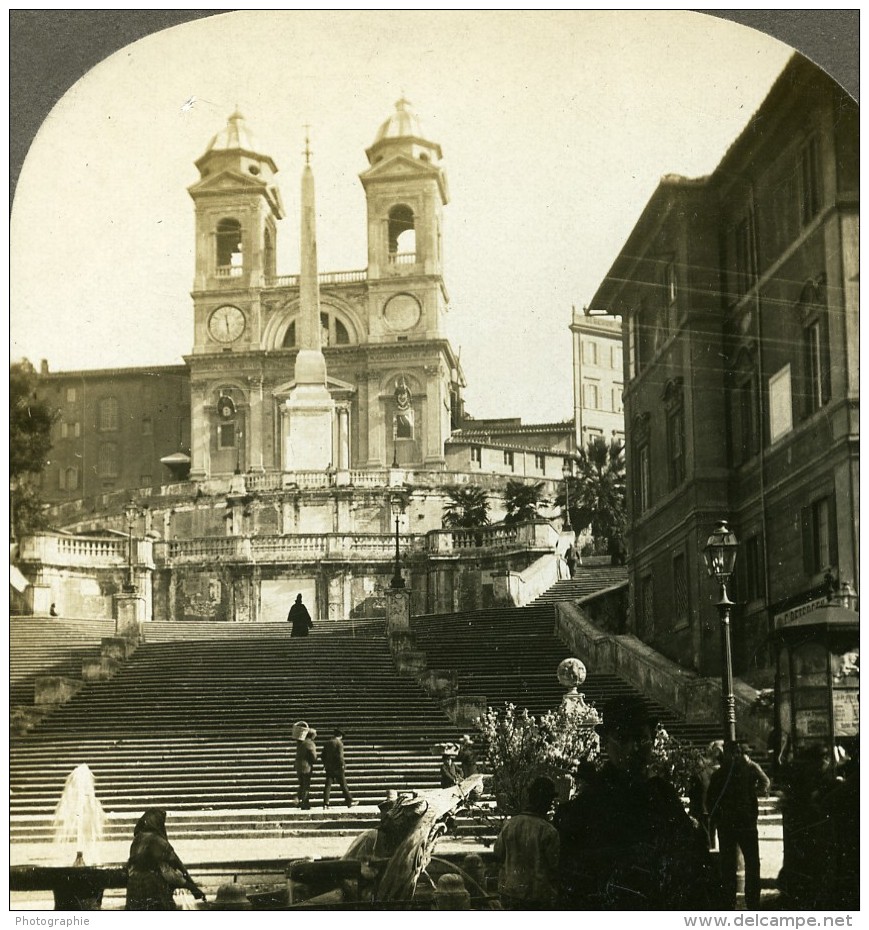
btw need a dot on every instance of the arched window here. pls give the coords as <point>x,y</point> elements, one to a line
<point>333,332</point>
<point>108,414</point>
<point>402,235</point>
<point>342,337</point>
<point>107,460</point>
<point>229,261</point>
<point>69,478</point>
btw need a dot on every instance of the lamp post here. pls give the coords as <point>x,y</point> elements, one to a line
<point>130,513</point>
<point>397,505</point>
<point>720,555</point>
<point>567,474</point>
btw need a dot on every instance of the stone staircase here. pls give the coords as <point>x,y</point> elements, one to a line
<point>512,654</point>
<point>586,580</point>
<point>202,727</point>
<point>50,646</point>
<point>198,721</point>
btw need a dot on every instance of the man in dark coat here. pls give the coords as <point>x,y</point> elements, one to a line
<point>626,841</point>
<point>732,800</point>
<point>306,756</point>
<point>333,765</point>
<point>300,618</point>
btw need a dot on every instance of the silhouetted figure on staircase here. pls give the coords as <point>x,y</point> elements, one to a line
<point>300,618</point>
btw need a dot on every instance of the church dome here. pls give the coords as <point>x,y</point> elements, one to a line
<point>402,123</point>
<point>234,137</point>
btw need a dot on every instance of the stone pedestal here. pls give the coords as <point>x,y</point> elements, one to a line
<point>308,420</point>
<point>397,610</point>
<point>117,647</point>
<point>413,662</point>
<point>129,608</point>
<point>39,599</point>
<point>101,669</point>
<point>55,689</point>
<point>440,683</point>
<point>465,710</point>
<point>505,588</point>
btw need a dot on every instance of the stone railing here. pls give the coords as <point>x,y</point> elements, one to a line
<point>85,551</point>
<point>302,547</point>
<point>516,589</point>
<point>698,699</point>
<point>402,258</point>
<point>539,534</point>
<point>325,277</point>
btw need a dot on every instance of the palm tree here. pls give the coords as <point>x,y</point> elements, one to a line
<point>467,507</point>
<point>597,493</point>
<point>522,500</point>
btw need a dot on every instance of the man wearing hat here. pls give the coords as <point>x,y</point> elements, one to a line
<point>626,841</point>
<point>333,764</point>
<point>306,756</point>
<point>451,774</point>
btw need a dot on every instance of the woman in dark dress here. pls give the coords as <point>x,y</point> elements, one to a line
<point>300,618</point>
<point>154,871</point>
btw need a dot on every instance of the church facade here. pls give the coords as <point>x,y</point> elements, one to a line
<point>318,417</point>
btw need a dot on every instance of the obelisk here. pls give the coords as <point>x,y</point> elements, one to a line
<point>310,411</point>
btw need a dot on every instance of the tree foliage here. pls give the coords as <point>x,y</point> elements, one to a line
<point>30,422</point>
<point>467,506</point>
<point>597,493</point>
<point>520,747</point>
<point>522,501</point>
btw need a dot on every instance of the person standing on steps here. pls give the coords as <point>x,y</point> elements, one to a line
<point>467,757</point>
<point>306,756</point>
<point>333,765</point>
<point>300,618</point>
<point>732,798</point>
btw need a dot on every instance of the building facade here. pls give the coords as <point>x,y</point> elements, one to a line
<point>315,425</point>
<point>739,295</point>
<point>598,385</point>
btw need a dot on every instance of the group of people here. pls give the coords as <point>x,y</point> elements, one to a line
<point>332,757</point>
<point>625,840</point>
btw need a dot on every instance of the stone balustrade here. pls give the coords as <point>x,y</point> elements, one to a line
<point>325,277</point>
<point>85,551</point>
<point>538,534</point>
<point>301,547</point>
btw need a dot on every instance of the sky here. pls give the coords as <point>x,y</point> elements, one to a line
<point>555,129</point>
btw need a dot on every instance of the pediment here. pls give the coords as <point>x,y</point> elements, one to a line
<point>226,181</point>
<point>400,165</point>
<point>333,386</point>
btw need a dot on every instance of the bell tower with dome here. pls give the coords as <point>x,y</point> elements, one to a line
<point>406,191</point>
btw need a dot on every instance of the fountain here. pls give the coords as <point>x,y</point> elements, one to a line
<point>78,819</point>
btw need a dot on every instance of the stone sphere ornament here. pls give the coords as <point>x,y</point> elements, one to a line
<point>572,673</point>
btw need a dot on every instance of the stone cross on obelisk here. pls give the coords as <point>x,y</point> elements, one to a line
<point>309,412</point>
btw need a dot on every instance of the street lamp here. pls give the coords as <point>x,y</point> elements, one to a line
<point>567,474</point>
<point>397,505</point>
<point>130,512</point>
<point>720,556</point>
